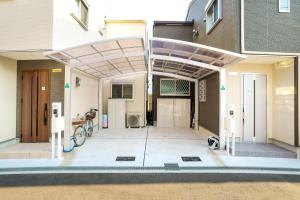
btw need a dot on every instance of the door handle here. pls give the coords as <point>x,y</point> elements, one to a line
<point>45,114</point>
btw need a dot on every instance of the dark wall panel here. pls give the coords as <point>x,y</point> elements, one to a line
<point>176,32</point>
<point>226,34</point>
<point>209,110</point>
<point>268,30</point>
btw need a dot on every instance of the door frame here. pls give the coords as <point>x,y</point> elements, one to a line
<point>49,98</point>
<point>242,103</point>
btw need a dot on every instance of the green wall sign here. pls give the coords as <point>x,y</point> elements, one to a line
<point>67,85</point>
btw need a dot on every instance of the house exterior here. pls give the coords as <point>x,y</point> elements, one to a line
<point>29,29</point>
<point>198,71</point>
<point>267,32</point>
<point>136,102</point>
<point>178,30</point>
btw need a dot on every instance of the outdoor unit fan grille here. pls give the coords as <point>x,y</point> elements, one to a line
<point>133,120</point>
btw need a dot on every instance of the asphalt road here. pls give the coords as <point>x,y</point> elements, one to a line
<point>149,186</point>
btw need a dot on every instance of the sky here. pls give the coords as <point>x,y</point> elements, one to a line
<point>150,10</point>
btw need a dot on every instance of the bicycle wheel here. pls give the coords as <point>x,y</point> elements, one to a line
<point>79,136</point>
<point>90,128</point>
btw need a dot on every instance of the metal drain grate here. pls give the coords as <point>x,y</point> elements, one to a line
<point>125,158</point>
<point>171,166</point>
<point>191,159</point>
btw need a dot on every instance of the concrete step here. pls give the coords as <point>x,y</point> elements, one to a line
<point>25,151</point>
<point>25,155</point>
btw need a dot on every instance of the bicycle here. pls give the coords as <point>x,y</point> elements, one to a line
<point>85,127</point>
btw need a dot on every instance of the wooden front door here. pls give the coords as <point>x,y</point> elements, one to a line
<point>35,106</point>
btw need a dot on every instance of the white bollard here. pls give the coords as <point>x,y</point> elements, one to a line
<point>231,129</point>
<point>56,128</point>
<point>53,145</point>
<point>59,147</point>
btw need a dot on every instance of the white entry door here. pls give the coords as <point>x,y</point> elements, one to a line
<point>254,108</point>
<point>173,113</point>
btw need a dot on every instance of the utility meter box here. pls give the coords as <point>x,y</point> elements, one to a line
<point>57,124</point>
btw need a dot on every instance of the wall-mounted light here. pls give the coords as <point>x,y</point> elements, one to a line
<point>195,33</point>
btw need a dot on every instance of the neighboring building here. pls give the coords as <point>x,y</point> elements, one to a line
<point>178,30</point>
<point>134,84</point>
<point>268,32</point>
<point>28,29</point>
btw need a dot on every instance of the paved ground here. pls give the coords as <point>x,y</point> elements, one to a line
<point>150,186</point>
<point>152,147</point>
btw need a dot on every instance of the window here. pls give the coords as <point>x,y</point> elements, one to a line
<point>213,14</point>
<point>284,5</point>
<point>82,14</point>
<point>174,87</point>
<point>123,91</point>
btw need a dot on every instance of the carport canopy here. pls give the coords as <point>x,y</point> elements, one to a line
<point>123,56</point>
<point>195,61</point>
<point>120,56</point>
<point>105,58</point>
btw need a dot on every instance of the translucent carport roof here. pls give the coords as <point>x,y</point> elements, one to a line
<point>118,56</point>
<point>188,59</point>
<point>105,58</point>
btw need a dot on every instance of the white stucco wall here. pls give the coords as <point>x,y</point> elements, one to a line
<point>283,101</point>
<point>8,98</point>
<point>68,32</point>
<point>137,105</point>
<point>26,24</point>
<point>85,96</point>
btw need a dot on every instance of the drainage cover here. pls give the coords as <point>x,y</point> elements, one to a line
<point>190,158</point>
<point>125,158</point>
<point>172,166</point>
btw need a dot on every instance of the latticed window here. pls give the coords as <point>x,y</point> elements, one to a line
<point>174,87</point>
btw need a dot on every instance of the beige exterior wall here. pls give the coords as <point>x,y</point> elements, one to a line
<point>8,98</point>
<point>68,32</point>
<point>280,97</point>
<point>85,96</point>
<point>283,102</point>
<point>125,28</point>
<point>234,91</point>
<point>26,24</point>
<point>47,24</point>
<point>137,105</point>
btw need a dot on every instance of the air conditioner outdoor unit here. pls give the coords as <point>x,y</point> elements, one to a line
<point>134,120</point>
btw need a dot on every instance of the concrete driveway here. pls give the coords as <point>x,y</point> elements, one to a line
<point>151,147</point>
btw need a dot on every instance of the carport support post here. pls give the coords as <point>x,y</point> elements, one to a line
<point>100,104</point>
<point>222,109</point>
<point>196,126</point>
<point>67,110</point>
